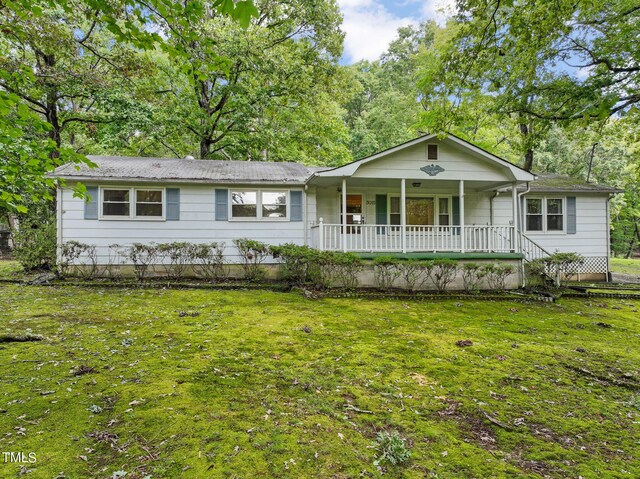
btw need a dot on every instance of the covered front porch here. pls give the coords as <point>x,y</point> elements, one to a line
<point>413,217</point>
<point>430,194</point>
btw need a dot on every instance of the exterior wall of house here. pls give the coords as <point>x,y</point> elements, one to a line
<point>197,224</point>
<point>456,165</point>
<point>591,238</point>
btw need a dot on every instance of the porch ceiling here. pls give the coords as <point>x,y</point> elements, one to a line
<point>394,183</point>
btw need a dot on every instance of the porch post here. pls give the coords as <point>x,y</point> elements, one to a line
<point>344,214</point>
<point>461,195</point>
<point>403,214</point>
<point>321,234</point>
<point>514,210</point>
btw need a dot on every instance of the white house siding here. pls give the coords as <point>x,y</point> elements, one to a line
<point>197,224</point>
<point>456,164</point>
<point>591,238</point>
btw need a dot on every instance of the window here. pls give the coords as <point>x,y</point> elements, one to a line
<point>443,212</point>
<point>394,211</point>
<point>274,204</point>
<point>259,204</point>
<point>244,204</point>
<point>545,214</point>
<point>149,203</point>
<point>432,152</point>
<point>534,214</point>
<point>555,220</point>
<point>117,203</point>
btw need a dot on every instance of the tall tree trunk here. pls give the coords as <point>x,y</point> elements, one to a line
<point>528,156</point>
<point>205,147</point>
<point>55,133</point>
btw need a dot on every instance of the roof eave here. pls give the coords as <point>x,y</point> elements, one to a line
<point>129,179</point>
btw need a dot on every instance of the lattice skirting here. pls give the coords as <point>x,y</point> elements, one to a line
<point>594,264</point>
<point>591,265</point>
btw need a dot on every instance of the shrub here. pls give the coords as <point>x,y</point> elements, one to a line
<point>179,256</point>
<point>142,256</point>
<point>564,265</point>
<point>113,258</point>
<point>208,260</point>
<point>385,270</point>
<point>74,253</point>
<point>442,272</point>
<point>253,253</point>
<point>391,449</point>
<point>411,272</point>
<point>299,263</point>
<point>69,254</point>
<point>536,271</point>
<point>35,246</point>
<point>472,274</point>
<point>496,274</point>
<point>347,267</point>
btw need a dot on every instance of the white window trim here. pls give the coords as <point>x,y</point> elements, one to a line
<point>544,230</point>
<point>258,216</point>
<point>132,204</point>
<point>436,207</point>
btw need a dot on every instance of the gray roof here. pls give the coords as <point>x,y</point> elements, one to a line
<point>553,183</point>
<point>185,170</point>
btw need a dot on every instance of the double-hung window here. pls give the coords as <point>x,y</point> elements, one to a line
<point>131,203</point>
<point>259,204</point>
<point>544,214</point>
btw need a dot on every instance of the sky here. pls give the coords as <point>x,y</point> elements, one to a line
<point>370,25</point>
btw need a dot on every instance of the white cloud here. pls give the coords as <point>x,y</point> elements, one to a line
<point>370,26</point>
<point>438,10</point>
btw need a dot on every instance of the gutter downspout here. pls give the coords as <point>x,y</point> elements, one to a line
<point>609,275</point>
<point>491,212</point>
<point>59,212</point>
<point>306,215</point>
<point>520,228</point>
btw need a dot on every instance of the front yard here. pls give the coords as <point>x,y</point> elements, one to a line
<point>192,383</point>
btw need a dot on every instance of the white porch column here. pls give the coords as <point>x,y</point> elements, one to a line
<point>403,214</point>
<point>461,195</point>
<point>344,214</point>
<point>514,210</point>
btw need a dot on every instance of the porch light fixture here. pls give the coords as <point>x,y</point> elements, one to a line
<point>416,184</point>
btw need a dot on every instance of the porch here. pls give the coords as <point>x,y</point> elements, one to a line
<point>414,238</point>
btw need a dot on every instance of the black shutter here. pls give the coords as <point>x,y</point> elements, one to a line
<point>381,213</point>
<point>296,206</point>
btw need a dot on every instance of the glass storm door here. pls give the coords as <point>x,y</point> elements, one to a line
<point>354,212</point>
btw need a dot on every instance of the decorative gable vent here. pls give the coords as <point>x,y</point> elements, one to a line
<point>432,151</point>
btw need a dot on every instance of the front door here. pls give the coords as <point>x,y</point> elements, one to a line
<point>354,212</point>
<point>420,211</point>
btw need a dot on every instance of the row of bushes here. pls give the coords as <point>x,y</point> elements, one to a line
<point>175,259</point>
<point>303,265</point>
<point>300,265</point>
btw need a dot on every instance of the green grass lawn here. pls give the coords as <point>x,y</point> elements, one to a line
<point>627,266</point>
<point>198,384</point>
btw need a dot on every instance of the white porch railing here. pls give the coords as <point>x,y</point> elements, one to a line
<point>390,238</point>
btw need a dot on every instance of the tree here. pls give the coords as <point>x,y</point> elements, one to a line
<point>537,62</point>
<point>57,70</point>
<point>227,94</point>
<point>384,108</point>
